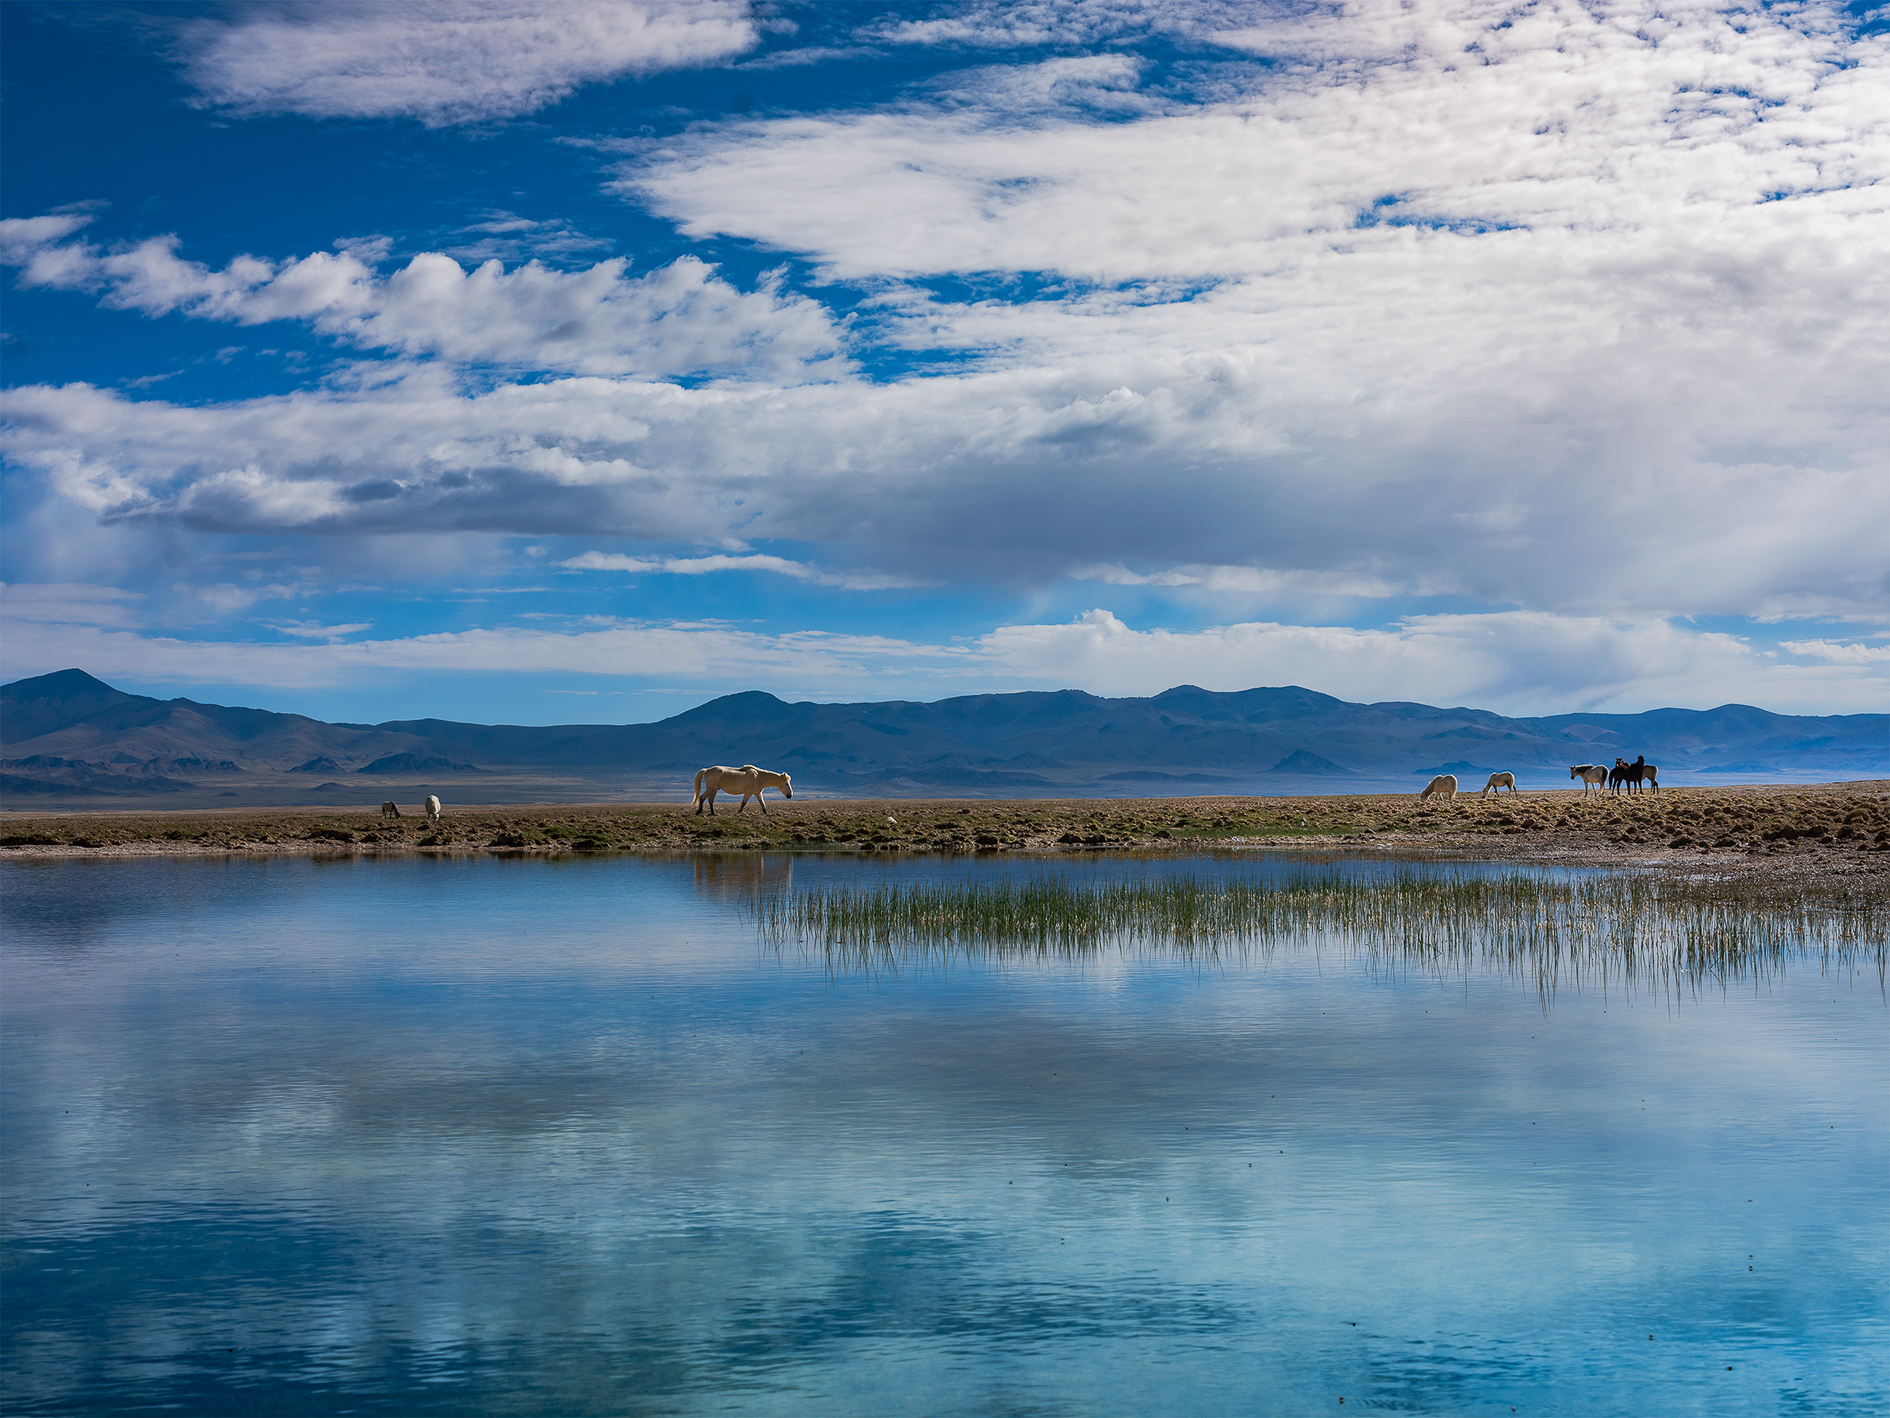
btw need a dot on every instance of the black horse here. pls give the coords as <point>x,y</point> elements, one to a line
<point>1634,776</point>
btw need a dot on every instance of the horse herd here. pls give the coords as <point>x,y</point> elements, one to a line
<point>750,781</point>
<point>1635,777</point>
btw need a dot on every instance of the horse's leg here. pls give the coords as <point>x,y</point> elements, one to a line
<point>761,797</point>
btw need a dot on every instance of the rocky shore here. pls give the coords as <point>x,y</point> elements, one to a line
<point>1835,830</point>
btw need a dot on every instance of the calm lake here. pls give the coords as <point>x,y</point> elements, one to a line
<point>501,1135</point>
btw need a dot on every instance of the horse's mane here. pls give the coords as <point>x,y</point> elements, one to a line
<point>750,768</point>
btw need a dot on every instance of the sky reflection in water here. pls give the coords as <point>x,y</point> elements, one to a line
<point>527,1136</point>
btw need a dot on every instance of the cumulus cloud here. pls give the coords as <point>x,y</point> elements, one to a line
<point>705,565</point>
<point>1501,284</point>
<point>448,61</point>
<point>679,319</point>
<point>1021,476</point>
<point>1457,115</point>
<point>1515,662</point>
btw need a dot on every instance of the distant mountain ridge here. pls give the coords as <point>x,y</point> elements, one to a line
<point>69,733</point>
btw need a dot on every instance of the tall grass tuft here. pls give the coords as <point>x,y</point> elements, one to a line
<point>1550,931</point>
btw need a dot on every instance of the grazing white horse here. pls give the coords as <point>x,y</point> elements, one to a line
<point>433,808</point>
<point>1444,785</point>
<point>747,780</point>
<point>1592,775</point>
<point>1498,781</point>
<point>390,810</point>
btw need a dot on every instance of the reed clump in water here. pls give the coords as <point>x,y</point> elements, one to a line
<point>1552,929</point>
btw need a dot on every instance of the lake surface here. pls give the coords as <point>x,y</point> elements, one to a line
<point>565,1136</point>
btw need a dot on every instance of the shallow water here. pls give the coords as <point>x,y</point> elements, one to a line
<point>490,1135</point>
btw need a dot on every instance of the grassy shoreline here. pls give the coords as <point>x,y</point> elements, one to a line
<point>1840,829</point>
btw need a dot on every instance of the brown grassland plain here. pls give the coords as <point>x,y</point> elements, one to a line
<point>1802,832</point>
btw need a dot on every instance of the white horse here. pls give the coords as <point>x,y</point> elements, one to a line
<point>1592,775</point>
<point>390,810</point>
<point>433,808</point>
<point>747,780</point>
<point>1444,785</point>
<point>1498,781</point>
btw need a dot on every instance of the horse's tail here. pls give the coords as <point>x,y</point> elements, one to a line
<point>701,773</point>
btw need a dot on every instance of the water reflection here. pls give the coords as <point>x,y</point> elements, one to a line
<point>742,878</point>
<point>508,1136</point>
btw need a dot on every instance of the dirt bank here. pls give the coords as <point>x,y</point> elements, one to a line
<point>1840,829</point>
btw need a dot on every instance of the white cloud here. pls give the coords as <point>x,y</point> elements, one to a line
<point>1517,662</point>
<point>69,603</point>
<point>1838,652</point>
<point>1455,114</point>
<point>1247,580</point>
<point>507,236</point>
<point>25,239</point>
<point>1020,476</point>
<point>449,61</point>
<point>696,652</point>
<point>679,319</point>
<point>1511,662</point>
<point>1564,308</point>
<point>314,630</point>
<point>1030,24</point>
<point>703,565</point>
<point>227,596</point>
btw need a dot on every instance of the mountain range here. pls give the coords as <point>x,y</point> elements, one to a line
<point>69,736</point>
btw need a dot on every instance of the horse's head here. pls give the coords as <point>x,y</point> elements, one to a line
<point>787,787</point>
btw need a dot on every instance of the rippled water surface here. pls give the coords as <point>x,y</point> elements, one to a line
<point>488,1135</point>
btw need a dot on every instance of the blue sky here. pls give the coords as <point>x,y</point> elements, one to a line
<point>547,363</point>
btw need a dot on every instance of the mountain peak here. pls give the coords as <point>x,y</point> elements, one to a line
<point>60,684</point>
<point>47,702</point>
